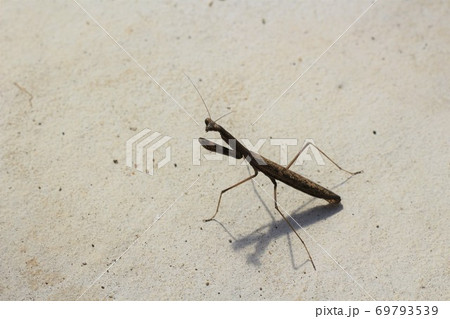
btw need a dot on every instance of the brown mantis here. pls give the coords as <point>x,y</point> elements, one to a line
<point>269,168</point>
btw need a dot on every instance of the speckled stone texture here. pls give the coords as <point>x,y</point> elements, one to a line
<point>77,223</point>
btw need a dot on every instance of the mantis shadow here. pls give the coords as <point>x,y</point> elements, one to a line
<point>279,227</point>
<point>262,236</point>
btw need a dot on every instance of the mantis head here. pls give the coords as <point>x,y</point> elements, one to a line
<point>210,125</point>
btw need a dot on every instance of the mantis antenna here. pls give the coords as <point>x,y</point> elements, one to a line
<point>198,94</point>
<point>223,116</point>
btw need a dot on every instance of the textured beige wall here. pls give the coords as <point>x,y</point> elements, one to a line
<point>70,98</point>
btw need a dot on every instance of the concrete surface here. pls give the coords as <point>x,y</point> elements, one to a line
<point>77,223</point>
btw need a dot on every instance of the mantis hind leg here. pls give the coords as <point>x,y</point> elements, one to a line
<point>287,221</point>
<point>321,152</point>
